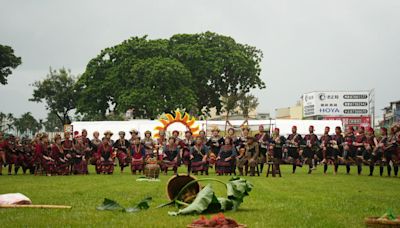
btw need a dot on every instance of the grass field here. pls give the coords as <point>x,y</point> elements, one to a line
<point>298,200</point>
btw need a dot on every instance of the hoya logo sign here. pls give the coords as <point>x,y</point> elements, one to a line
<point>329,110</point>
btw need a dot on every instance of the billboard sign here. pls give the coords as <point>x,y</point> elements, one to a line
<point>340,103</point>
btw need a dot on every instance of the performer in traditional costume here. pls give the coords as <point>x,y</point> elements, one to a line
<point>199,157</point>
<point>371,146</point>
<point>59,157</point>
<point>134,134</point>
<point>43,152</point>
<point>105,164</point>
<point>28,154</point>
<point>214,144</point>
<point>337,148</point>
<point>262,137</point>
<point>252,153</point>
<point>185,146</point>
<point>68,147</point>
<point>349,153</point>
<point>359,145</point>
<point>203,136</point>
<point>149,144</point>
<point>108,134</point>
<point>137,154</point>
<point>292,148</point>
<point>3,148</point>
<point>232,134</point>
<point>96,142</point>
<point>276,145</point>
<point>226,158</point>
<point>121,148</point>
<point>171,156</point>
<point>160,143</point>
<point>88,145</point>
<point>325,150</point>
<point>11,153</point>
<point>79,161</point>
<point>310,147</point>
<point>245,134</point>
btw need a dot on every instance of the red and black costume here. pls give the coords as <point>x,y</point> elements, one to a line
<point>137,153</point>
<point>105,164</point>
<point>122,146</point>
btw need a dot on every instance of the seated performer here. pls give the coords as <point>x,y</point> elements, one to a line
<point>226,158</point>
<point>79,162</point>
<point>105,164</point>
<point>60,159</point>
<point>149,144</point>
<point>214,143</point>
<point>252,153</point>
<point>137,153</point>
<point>171,156</point>
<point>43,153</point>
<point>199,157</point>
<point>121,147</point>
<point>185,145</point>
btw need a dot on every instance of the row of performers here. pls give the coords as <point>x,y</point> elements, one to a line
<point>72,155</point>
<point>226,153</point>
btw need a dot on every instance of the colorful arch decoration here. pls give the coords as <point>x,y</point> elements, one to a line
<point>186,120</point>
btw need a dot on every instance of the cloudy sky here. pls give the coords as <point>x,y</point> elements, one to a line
<point>307,44</point>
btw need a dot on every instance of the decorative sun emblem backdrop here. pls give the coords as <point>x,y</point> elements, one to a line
<point>187,120</point>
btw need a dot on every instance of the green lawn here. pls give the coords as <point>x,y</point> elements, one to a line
<point>298,200</point>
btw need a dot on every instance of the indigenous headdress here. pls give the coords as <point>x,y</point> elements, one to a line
<point>121,133</point>
<point>175,131</point>
<point>215,128</point>
<point>133,131</point>
<point>147,132</point>
<point>108,132</point>
<point>245,127</point>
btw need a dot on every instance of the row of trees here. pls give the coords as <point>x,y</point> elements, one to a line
<point>195,72</point>
<point>191,71</point>
<point>26,124</point>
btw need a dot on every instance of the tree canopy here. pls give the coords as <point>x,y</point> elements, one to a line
<point>191,71</point>
<point>57,90</point>
<point>8,61</point>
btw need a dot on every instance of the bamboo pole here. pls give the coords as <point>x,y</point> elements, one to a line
<point>35,206</point>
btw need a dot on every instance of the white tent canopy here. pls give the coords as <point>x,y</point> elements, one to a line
<point>285,126</point>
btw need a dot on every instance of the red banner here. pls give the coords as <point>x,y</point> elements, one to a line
<point>352,121</point>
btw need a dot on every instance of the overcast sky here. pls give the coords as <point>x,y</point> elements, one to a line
<point>307,45</point>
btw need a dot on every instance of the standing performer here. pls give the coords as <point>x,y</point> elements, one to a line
<point>3,148</point>
<point>325,149</point>
<point>349,153</point>
<point>214,143</point>
<point>199,157</point>
<point>359,145</point>
<point>262,137</point>
<point>371,146</point>
<point>28,162</point>
<point>185,146</point>
<point>337,147</point>
<point>105,164</point>
<point>137,153</point>
<point>121,148</point>
<point>244,136</point>
<point>252,153</point>
<point>310,148</point>
<point>292,147</point>
<point>149,144</point>
<point>394,152</point>
<point>226,157</point>
<point>276,145</point>
<point>380,150</point>
<point>171,156</point>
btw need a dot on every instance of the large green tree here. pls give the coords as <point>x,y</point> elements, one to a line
<point>8,61</point>
<point>57,90</point>
<point>52,123</point>
<point>27,124</point>
<point>215,65</point>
